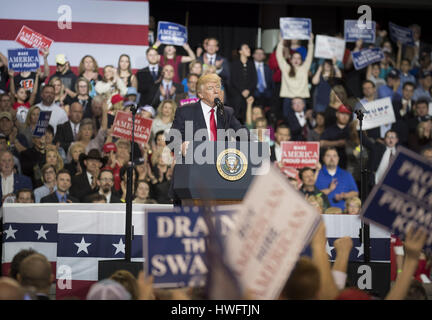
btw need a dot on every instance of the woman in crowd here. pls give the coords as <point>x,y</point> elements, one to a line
<point>352,205</point>
<point>89,70</point>
<point>49,182</point>
<point>49,140</point>
<point>373,74</point>
<point>53,157</point>
<point>337,96</point>
<point>326,71</point>
<point>295,73</point>
<point>74,166</point>
<point>124,71</point>
<point>170,57</point>
<point>315,133</point>
<point>243,81</point>
<point>111,84</point>
<point>165,116</point>
<point>160,175</point>
<point>60,93</point>
<point>29,125</point>
<point>82,87</point>
<point>142,193</point>
<point>195,67</point>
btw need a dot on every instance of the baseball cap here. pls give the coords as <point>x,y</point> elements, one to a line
<point>394,73</point>
<point>131,91</point>
<point>108,289</point>
<point>108,147</point>
<point>148,108</point>
<point>116,98</point>
<point>425,73</point>
<point>61,58</point>
<point>5,114</point>
<point>344,109</point>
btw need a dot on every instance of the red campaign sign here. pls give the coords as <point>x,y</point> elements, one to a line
<point>32,39</point>
<point>299,154</point>
<point>122,127</point>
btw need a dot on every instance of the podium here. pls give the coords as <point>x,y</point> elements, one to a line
<point>217,171</point>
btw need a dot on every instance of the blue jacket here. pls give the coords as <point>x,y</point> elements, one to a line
<point>20,182</point>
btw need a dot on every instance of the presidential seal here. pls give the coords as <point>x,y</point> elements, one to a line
<point>231,164</point>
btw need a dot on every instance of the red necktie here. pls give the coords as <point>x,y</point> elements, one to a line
<point>213,130</point>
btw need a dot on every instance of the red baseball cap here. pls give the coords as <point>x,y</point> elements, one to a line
<point>108,147</point>
<point>344,109</point>
<point>116,98</point>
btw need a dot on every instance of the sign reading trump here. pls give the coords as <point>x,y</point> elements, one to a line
<point>403,198</point>
<point>299,154</point>
<point>175,248</point>
<point>378,112</point>
<point>172,33</point>
<point>122,127</point>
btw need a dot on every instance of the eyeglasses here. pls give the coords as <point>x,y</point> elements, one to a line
<point>106,180</point>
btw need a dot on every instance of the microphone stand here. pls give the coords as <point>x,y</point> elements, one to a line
<point>108,267</point>
<point>366,232</point>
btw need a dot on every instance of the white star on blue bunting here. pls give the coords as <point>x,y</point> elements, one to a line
<point>10,233</point>
<point>41,233</point>
<point>82,246</point>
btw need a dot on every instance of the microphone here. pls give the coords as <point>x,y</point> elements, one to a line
<point>219,105</point>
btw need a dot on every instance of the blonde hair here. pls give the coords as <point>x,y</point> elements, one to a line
<point>29,113</point>
<point>72,148</point>
<point>53,148</point>
<point>203,80</point>
<point>125,143</point>
<point>333,210</point>
<point>194,62</point>
<point>338,92</point>
<point>317,199</point>
<point>355,200</point>
<point>81,68</point>
<point>162,104</point>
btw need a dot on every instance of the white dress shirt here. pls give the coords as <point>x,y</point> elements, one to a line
<point>278,152</point>
<point>154,68</point>
<point>211,58</point>
<point>301,118</point>
<point>384,163</point>
<point>206,112</point>
<point>7,184</point>
<point>107,195</point>
<point>89,177</point>
<point>75,129</point>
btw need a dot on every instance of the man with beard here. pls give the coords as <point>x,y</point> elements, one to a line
<point>58,115</point>
<point>61,195</point>
<point>105,183</point>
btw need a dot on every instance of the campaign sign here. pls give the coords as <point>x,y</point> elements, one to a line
<point>363,58</point>
<point>172,33</point>
<point>403,197</point>
<point>402,34</point>
<point>175,247</point>
<point>378,113</point>
<point>295,28</point>
<point>188,101</point>
<point>42,123</point>
<point>23,59</point>
<point>272,227</point>
<point>328,47</point>
<point>32,39</point>
<point>299,154</point>
<point>122,127</point>
<point>353,32</point>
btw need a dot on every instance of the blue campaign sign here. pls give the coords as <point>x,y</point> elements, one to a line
<point>42,123</point>
<point>175,246</point>
<point>403,197</point>
<point>295,28</point>
<point>172,33</point>
<point>363,58</point>
<point>402,34</point>
<point>354,32</point>
<point>23,59</point>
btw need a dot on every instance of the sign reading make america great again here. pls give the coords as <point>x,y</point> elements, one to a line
<point>122,127</point>
<point>403,198</point>
<point>299,154</point>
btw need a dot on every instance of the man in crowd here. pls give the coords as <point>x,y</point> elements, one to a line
<point>33,159</point>
<point>390,89</point>
<point>425,83</point>
<point>265,86</point>
<point>25,196</point>
<point>5,103</point>
<point>299,120</point>
<point>58,115</point>
<point>16,140</point>
<point>192,80</point>
<point>86,182</point>
<point>65,74</point>
<point>421,111</point>
<point>68,131</point>
<point>283,133</point>
<point>61,195</point>
<point>335,182</point>
<point>168,89</point>
<point>49,180</point>
<point>10,182</point>
<point>308,177</point>
<point>148,76</point>
<point>105,183</point>
<point>337,134</point>
<point>404,106</point>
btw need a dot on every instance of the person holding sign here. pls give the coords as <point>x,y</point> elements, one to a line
<point>294,74</point>
<point>170,57</point>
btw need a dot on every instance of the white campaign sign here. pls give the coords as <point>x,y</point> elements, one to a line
<point>328,47</point>
<point>271,229</point>
<point>378,113</point>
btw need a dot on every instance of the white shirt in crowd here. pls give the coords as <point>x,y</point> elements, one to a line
<point>301,118</point>
<point>384,163</point>
<point>7,184</point>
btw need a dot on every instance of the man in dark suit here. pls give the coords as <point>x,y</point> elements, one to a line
<point>299,120</point>
<point>86,182</point>
<point>282,133</point>
<point>10,182</point>
<point>167,89</point>
<point>67,132</point>
<point>105,183</point>
<point>265,86</point>
<point>148,76</point>
<point>421,111</point>
<point>380,154</point>
<point>192,80</point>
<point>61,195</point>
<point>203,116</point>
<point>404,106</point>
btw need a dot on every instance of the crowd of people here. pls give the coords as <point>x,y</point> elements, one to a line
<point>287,95</point>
